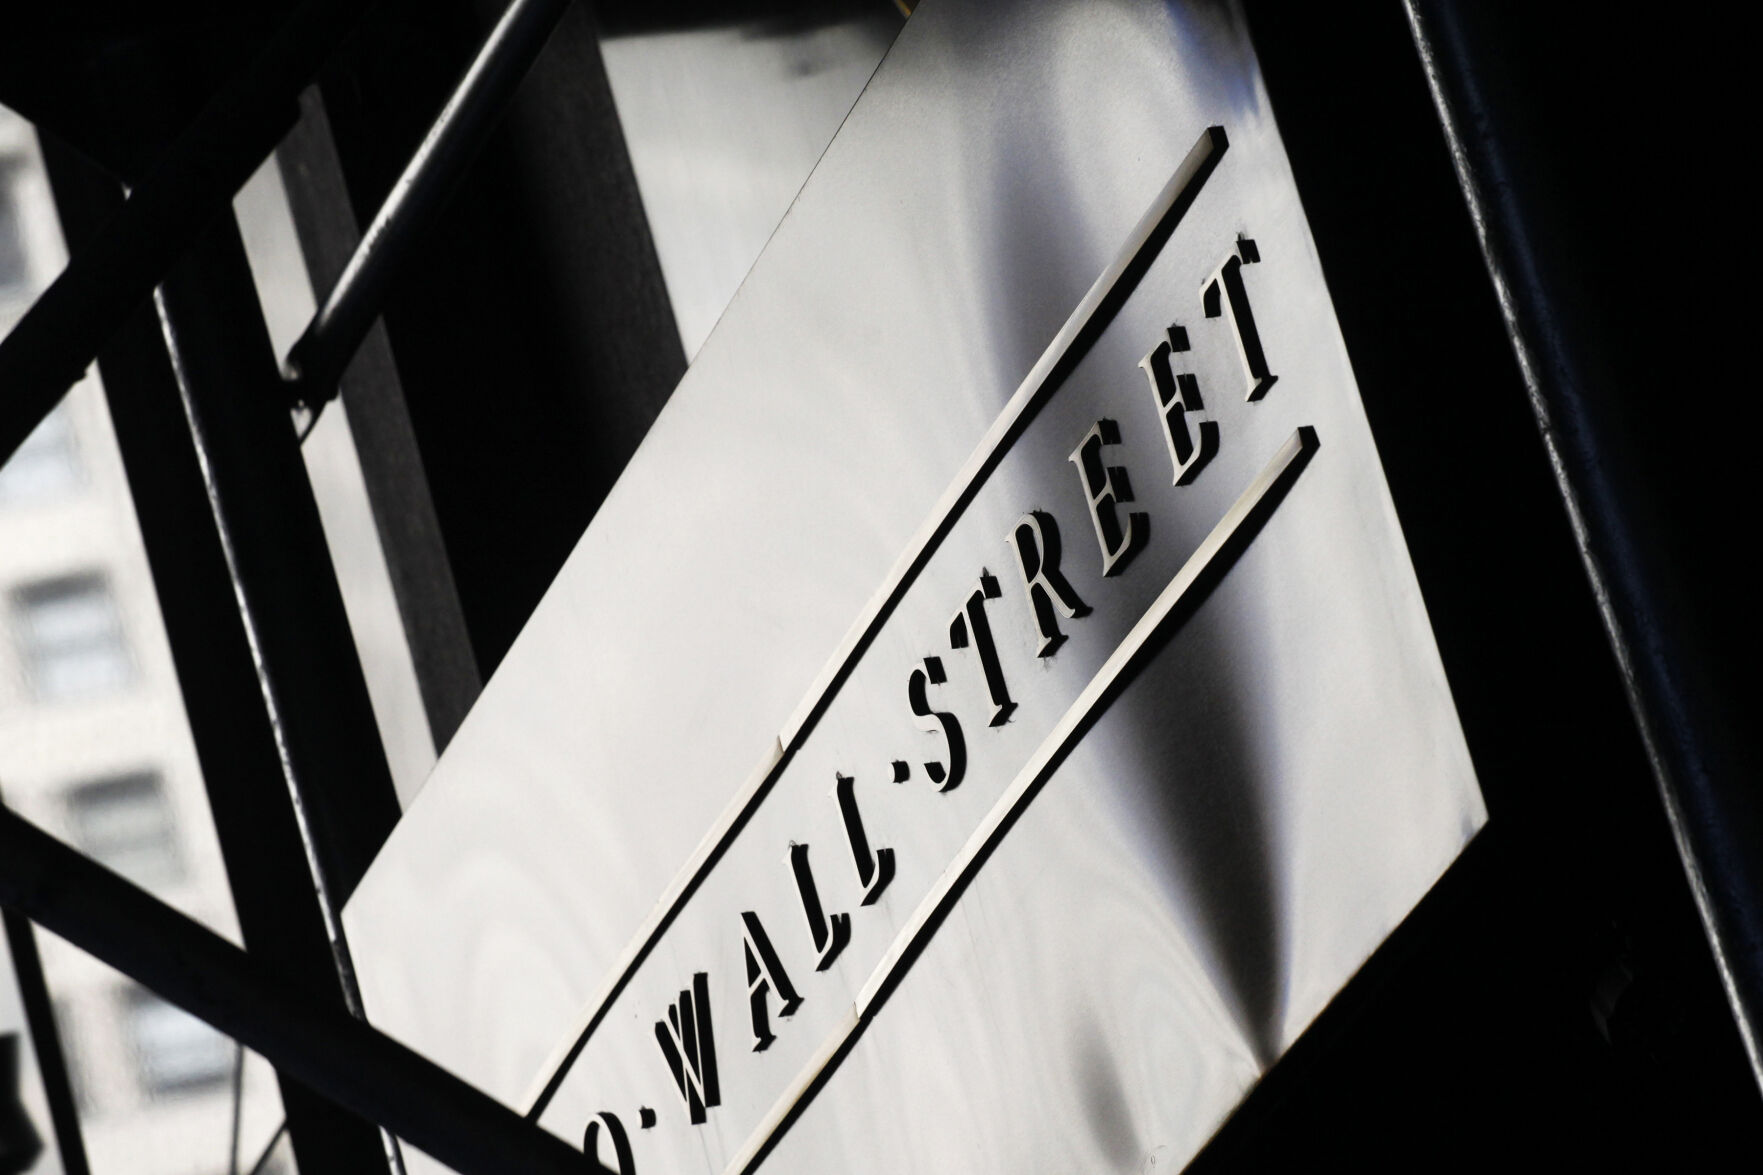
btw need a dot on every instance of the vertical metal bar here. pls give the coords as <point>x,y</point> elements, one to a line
<point>307,668</point>
<point>39,1011</point>
<point>278,907</point>
<point>287,592</point>
<point>1712,805</point>
<point>385,439</point>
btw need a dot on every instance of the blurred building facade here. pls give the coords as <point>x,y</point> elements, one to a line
<point>94,745</point>
<point>1559,985</point>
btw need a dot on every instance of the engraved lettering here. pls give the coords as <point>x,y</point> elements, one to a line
<point>875,868</point>
<point>932,722</point>
<point>1192,437</point>
<point>1036,540</point>
<point>622,1162</point>
<point>1228,278</point>
<point>1105,488</point>
<point>687,1041</point>
<point>972,619</point>
<point>830,933</point>
<point>765,977</point>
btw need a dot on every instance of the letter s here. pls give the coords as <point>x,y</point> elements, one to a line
<point>933,721</point>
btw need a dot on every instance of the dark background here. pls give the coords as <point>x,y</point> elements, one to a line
<point>1555,1000</point>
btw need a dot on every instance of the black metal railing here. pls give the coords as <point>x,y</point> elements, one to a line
<point>234,455</point>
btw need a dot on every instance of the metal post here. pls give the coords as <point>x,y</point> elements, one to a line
<point>308,672</point>
<point>318,358</point>
<point>49,349</point>
<point>1711,803</point>
<point>327,1050</point>
<point>39,1013</point>
<point>280,917</point>
<point>392,463</point>
<point>262,503</point>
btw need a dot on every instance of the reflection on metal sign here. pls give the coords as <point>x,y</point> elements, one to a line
<point>1132,744</point>
<point>1122,523</point>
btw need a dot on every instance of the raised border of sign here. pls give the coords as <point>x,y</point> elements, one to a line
<point>1087,321</point>
<point>1203,568</point>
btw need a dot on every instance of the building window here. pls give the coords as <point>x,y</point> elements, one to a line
<point>45,466</point>
<point>126,824</point>
<point>175,1052</point>
<point>13,270</point>
<point>71,637</point>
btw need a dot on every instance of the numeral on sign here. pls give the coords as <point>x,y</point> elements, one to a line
<point>688,1043</point>
<point>621,1143</point>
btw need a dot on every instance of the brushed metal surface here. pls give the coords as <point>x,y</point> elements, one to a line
<point>724,122</point>
<point>1248,816</point>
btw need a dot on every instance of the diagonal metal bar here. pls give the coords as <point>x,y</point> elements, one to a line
<point>323,1048</point>
<point>393,466</point>
<point>64,1114</point>
<point>49,349</point>
<point>318,358</point>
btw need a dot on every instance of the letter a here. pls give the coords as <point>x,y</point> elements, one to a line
<point>765,976</point>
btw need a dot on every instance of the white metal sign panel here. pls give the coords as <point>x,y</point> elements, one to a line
<point>994,713</point>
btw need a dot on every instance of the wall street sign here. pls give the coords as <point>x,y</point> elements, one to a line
<point>980,741</point>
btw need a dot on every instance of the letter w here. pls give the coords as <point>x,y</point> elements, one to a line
<point>686,1041</point>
